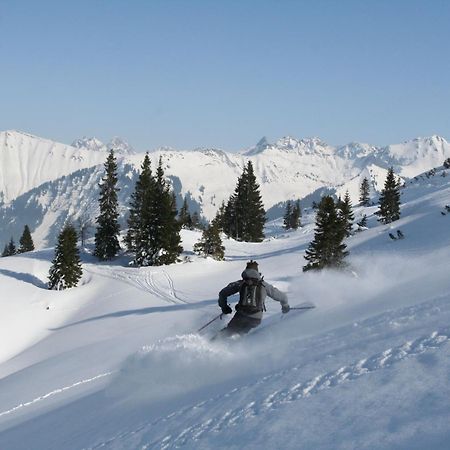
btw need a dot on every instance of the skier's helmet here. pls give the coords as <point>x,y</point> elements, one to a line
<point>251,274</point>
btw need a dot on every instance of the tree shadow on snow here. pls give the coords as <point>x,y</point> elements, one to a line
<point>141,311</point>
<point>26,277</point>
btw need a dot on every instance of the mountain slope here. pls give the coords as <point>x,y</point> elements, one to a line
<point>116,362</point>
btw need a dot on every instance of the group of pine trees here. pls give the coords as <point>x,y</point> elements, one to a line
<point>242,218</point>
<point>153,229</point>
<point>292,215</point>
<point>334,222</point>
<point>153,235</point>
<point>26,244</point>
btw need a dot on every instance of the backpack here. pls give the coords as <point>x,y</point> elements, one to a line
<point>250,298</point>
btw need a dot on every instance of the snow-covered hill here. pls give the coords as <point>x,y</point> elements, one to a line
<point>116,364</point>
<point>33,170</point>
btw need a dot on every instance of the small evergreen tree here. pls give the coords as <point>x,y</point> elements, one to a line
<point>10,248</point>
<point>363,222</point>
<point>346,213</point>
<point>364,192</point>
<point>327,250</point>
<point>26,241</point>
<point>219,218</point>
<point>296,215</point>
<point>447,163</point>
<point>185,217</point>
<point>287,218</point>
<point>389,210</point>
<point>210,243</point>
<point>107,236</point>
<point>66,269</point>
<point>195,220</point>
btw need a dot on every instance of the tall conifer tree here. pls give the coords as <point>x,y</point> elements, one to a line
<point>389,209</point>
<point>287,218</point>
<point>244,214</point>
<point>66,269</point>
<point>346,213</point>
<point>327,250</point>
<point>107,236</point>
<point>168,227</point>
<point>296,215</point>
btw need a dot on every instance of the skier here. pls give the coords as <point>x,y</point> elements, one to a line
<point>252,293</point>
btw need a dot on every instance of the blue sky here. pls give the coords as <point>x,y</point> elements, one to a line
<point>225,73</point>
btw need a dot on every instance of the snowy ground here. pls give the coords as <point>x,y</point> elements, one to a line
<point>116,362</point>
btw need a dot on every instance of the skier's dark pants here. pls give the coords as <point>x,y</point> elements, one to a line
<point>240,324</point>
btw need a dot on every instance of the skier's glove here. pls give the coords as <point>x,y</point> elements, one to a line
<point>285,309</point>
<point>226,309</point>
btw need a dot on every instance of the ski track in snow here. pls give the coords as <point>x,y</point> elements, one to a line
<point>55,392</point>
<point>144,280</point>
<point>277,399</point>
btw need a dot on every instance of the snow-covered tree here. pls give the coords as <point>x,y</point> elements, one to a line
<point>66,269</point>
<point>107,236</point>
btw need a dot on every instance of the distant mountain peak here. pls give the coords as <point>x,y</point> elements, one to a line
<point>119,145</point>
<point>90,143</point>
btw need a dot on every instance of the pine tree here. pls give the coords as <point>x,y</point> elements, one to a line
<point>363,222</point>
<point>185,216</point>
<point>447,163</point>
<point>154,231</point>
<point>346,213</point>
<point>389,210</point>
<point>287,218</point>
<point>210,243</point>
<point>327,250</point>
<point>10,248</point>
<point>169,247</point>
<point>26,241</point>
<point>66,269</point>
<point>142,214</point>
<point>364,192</point>
<point>219,217</point>
<point>244,214</point>
<point>107,236</point>
<point>195,220</point>
<point>296,215</point>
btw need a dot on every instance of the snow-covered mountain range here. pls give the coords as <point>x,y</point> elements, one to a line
<point>43,183</point>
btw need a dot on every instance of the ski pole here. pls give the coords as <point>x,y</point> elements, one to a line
<point>302,307</point>
<point>211,321</point>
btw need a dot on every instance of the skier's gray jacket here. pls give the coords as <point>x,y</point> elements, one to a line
<point>266,290</point>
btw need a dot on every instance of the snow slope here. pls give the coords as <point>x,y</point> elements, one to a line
<point>115,363</point>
